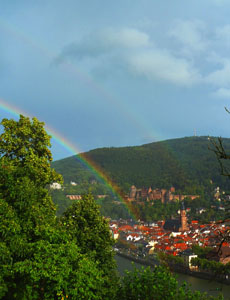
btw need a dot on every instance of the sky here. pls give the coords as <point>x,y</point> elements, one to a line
<point>117,73</point>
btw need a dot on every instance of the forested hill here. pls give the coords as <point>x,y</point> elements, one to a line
<point>182,163</point>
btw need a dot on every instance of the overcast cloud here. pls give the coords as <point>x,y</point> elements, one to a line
<point>111,73</point>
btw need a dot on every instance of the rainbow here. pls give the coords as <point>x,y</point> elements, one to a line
<point>86,161</point>
<point>117,103</point>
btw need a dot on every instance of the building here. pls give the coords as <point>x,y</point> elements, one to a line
<point>149,194</point>
<point>73,183</point>
<point>187,256</point>
<point>74,197</point>
<point>55,186</point>
<point>78,197</point>
<point>183,219</point>
<point>176,225</point>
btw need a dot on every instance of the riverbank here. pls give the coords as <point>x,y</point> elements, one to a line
<point>178,269</point>
<point>138,260</point>
<point>212,288</point>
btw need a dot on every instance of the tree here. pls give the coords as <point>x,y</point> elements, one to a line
<point>223,158</point>
<point>25,172</point>
<point>43,257</point>
<point>38,259</point>
<point>85,225</point>
<point>157,284</point>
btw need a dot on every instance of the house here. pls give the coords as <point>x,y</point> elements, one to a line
<point>74,197</point>
<point>187,256</point>
<point>151,246</point>
<point>55,186</point>
<point>126,228</point>
<point>133,237</point>
<point>115,233</point>
<point>73,183</point>
<point>223,255</point>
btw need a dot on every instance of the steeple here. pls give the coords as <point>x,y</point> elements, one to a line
<point>183,218</point>
<point>182,205</point>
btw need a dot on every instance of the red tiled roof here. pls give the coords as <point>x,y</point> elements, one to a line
<point>182,246</point>
<point>126,228</point>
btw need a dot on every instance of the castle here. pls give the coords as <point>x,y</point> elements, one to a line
<point>150,194</point>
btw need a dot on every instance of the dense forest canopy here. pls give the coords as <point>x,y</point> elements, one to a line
<point>187,163</point>
<point>180,163</point>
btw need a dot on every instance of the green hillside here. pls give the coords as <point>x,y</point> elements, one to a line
<point>184,163</point>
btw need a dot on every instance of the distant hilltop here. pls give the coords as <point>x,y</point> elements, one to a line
<point>184,163</point>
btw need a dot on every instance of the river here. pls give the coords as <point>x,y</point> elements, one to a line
<point>210,287</point>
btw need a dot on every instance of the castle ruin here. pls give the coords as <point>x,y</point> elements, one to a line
<point>149,194</point>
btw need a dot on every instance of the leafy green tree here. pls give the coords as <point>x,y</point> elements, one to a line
<point>200,251</point>
<point>85,225</point>
<point>43,257</point>
<point>112,209</point>
<point>157,284</point>
<point>38,259</point>
<point>60,200</point>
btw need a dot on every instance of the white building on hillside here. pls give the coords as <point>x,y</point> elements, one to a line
<point>55,186</point>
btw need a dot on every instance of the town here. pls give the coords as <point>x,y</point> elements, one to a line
<point>143,242</point>
<point>178,238</point>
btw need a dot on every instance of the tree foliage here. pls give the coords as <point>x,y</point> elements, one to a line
<point>39,258</point>
<point>44,257</point>
<point>216,268</point>
<point>85,225</point>
<point>157,284</point>
<point>185,163</point>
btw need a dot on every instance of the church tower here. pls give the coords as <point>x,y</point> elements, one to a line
<point>183,218</point>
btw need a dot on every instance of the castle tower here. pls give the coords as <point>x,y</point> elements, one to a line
<point>164,197</point>
<point>169,196</point>
<point>172,189</point>
<point>183,218</point>
<point>133,191</point>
